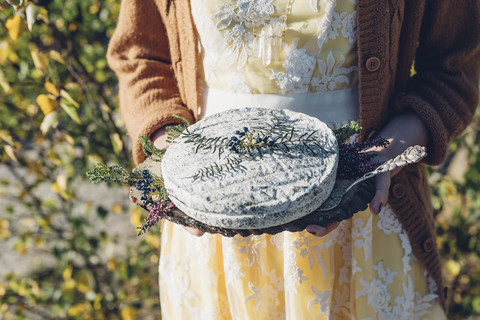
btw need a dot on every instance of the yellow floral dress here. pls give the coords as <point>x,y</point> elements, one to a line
<point>365,269</point>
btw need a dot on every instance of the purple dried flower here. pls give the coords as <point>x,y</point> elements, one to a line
<point>353,163</point>
<point>158,211</point>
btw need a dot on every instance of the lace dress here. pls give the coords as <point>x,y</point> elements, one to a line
<point>365,269</point>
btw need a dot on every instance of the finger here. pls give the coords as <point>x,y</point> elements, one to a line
<point>194,231</point>
<point>322,231</point>
<point>380,199</point>
<point>133,199</point>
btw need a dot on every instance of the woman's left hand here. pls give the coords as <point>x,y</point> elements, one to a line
<point>402,132</point>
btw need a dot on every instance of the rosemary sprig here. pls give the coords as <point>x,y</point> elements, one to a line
<point>174,131</point>
<point>150,150</point>
<point>114,173</point>
<point>232,164</point>
<point>345,132</point>
<point>273,136</point>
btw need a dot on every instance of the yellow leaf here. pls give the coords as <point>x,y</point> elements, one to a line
<point>4,228</point>
<point>46,104</point>
<point>453,267</point>
<point>38,241</point>
<point>31,109</point>
<point>129,313</point>
<point>61,187</point>
<point>20,248</point>
<point>15,26</point>
<point>116,142</point>
<point>55,55</point>
<point>51,88</point>
<point>4,83</point>
<point>93,9</point>
<point>111,264</point>
<point>116,208</point>
<point>94,158</point>
<point>43,14</point>
<point>85,281</point>
<point>49,122</point>
<point>22,291</point>
<point>62,181</point>
<point>40,60</point>
<point>153,240</point>
<point>31,13</point>
<point>5,136</point>
<point>72,113</point>
<point>80,309</point>
<point>69,98</point>
<point>35,289</point>
<point>44,223</point>
<point>63,193</point>
<point>72,27</point>
<point>11,152</point>
<point>154,259</point>
<point>69,284</point>
<point>69,139</point>
<point>22,195</point>
<point>136,216</point>
<point>106,108</point>
<point>67,273</point>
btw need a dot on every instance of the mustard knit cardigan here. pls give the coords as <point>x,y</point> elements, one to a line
<point>154,53</point>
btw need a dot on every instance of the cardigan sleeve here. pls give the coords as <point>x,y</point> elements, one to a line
<point>444,91</point>
<point>139,54</point>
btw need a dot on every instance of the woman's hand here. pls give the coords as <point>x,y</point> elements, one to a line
<point>402,132</point>
<point>159,139</point>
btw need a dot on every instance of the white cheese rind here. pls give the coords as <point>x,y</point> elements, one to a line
<point>272,190</point>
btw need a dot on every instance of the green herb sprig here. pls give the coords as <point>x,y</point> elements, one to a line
<point>114,173</point>
<point>272,136</point>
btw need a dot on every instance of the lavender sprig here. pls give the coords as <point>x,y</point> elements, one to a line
<point>354,162</point>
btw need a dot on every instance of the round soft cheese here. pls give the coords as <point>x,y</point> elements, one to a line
<point>251,168</point>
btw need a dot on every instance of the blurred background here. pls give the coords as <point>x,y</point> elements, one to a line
<point>69,249</point>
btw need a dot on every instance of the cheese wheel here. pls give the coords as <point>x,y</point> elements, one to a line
<point>263,187</point>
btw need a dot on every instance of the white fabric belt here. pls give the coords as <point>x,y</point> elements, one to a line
<point>332,107</point>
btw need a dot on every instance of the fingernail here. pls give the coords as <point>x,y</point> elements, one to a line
<point>380,207</point>
<point>315,230</point>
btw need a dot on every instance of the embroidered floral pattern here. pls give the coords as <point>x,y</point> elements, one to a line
<point>255,13</point>
<point>267,297</point>
<point>328,26</point>
<point>377,290</point>
<point>245,14</point>
<point>299,68</point>
<point>333,73</point>
<point>322,298</point>
<point>313,273</point>
<point>236,22</point>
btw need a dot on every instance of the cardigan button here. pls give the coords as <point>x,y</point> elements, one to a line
<point>373,64</point>
<point>428,245</point>
<point>398,191</point>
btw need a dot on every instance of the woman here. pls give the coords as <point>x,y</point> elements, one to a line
<point>196,57</point>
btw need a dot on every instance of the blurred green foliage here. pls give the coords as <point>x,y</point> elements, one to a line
<point>59,116</point>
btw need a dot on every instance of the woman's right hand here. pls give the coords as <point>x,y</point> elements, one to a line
<point>159,139</point>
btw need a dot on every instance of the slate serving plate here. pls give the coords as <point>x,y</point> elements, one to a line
<point>283,190</point>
